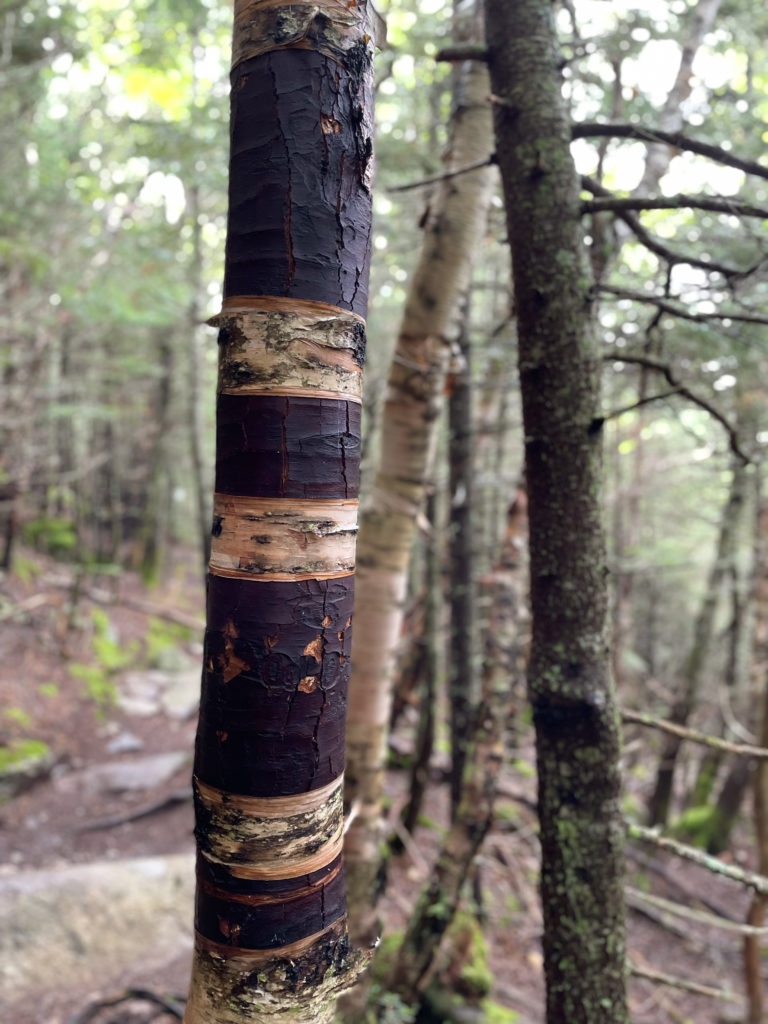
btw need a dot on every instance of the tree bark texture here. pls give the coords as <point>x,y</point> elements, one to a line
<point>577,734</point>
<point>271,937</point>
<point>409,432</point>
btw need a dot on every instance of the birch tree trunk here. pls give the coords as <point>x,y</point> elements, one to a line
<point>577,734</point>
<point>271,940</point>
<point>409,420</point>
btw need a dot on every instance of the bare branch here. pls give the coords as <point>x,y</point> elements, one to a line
<point>666,370</point>
<point>700,916</point>
<point>487,162</point>
<point>615,413</point>
<point>740,749</point>
<point>682,983</point>
<point>463,51</point>
<point>735,207</point>
<point>759,883</point>
<point>657,247</point>
<point>678,140</point>
<point>669,307</point>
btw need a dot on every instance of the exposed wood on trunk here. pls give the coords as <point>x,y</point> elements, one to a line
<point>270,918</point>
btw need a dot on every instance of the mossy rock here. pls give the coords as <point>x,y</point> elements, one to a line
<point>22,763</point>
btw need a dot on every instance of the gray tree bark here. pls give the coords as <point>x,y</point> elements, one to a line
<point>577,735</point>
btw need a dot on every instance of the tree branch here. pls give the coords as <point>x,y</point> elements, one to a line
<point>657,247</point>
<point>759,883</point>
<point>740,749</point>
<point>682,983</point>
<point>613,203</point>
<point>678,140</point>
<point>669,307</point>
<point>700,916</point>
<point>666,370</point>
<point>487,162</point>
<point>463,51</point>
<point>615,413</point>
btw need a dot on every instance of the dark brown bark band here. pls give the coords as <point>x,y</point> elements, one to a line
<point>287,447</point>
<point>270,925</point>
<point>276,669</point>
<point>299,206</point>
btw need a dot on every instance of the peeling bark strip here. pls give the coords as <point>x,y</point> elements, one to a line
<point>301,226</point>
<point>301,540</point>
<point>270,839</point>
<point>328,26</point>
<point>261,986</point>
<point>275,676</point>
<point>267,350</point>
<point>271,906</point>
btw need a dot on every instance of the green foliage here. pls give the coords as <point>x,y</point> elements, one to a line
<point>110,658</point>
<point>700,826</point>
<point>163,640</point>
<point>17,753</point>
<point>18,716</point>
<point>497,1014</point>
<point>26,569</point>
<point>54,536</point>
<point>466,935</point>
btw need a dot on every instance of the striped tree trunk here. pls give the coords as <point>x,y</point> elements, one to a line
<point>271,938</point>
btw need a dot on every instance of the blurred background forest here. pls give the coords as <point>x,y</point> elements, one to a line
<point>113,163</point>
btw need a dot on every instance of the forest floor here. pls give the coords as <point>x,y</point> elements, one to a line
<point>103,671</point>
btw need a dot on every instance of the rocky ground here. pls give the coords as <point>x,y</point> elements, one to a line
<point>99,680</point>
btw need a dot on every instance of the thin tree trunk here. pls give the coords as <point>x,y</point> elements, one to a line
<point>439,899</point>
<point>271,940</point>
<point>388,525</point>
<point>577,729</point>
<point>671,119</point>
<point>425,737</point>
<point>695,664</point>
<point>752,952</point>
<point>194,378</point>
<point>462,667</point>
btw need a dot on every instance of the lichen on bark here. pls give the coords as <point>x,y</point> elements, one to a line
<point>569,680</point>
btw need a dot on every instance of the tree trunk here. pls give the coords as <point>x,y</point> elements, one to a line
<point>577,733</point>
<point>462,674</point>
<point>271,939</point>
<point>660,800</point>
<point>439,899</point>
<point>388,526</point>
